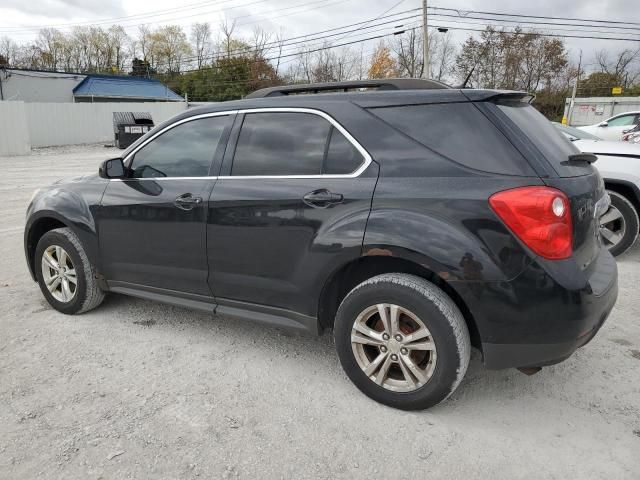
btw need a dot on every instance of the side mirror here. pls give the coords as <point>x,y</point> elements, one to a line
<point>112,168</point>
<point>604,124</point>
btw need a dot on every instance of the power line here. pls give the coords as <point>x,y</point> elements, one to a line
<point>207,12</point>
<point>312,37</point>
<point>535,16</point>
<point>114,20</point>
<point>534,30</point>
<point>530,22</point>
<point>540,34</point>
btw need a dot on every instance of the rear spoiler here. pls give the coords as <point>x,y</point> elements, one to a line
<point>498,95</point>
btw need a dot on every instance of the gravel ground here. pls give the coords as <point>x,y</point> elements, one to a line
<point>137,389</point>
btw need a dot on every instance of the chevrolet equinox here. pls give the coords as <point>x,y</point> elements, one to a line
<point>412,219</point>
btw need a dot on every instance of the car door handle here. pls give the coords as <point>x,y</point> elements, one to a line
<point>322,198</point>
<point>187,201</point>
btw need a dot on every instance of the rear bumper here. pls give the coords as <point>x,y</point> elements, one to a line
<point>508,355</point>
<point>544,315</point>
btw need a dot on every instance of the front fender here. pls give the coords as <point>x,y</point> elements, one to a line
<point>74,208</point>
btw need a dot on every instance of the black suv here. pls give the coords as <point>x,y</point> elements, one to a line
<point>413,219</point>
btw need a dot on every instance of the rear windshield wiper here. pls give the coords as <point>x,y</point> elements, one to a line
<point>579,159</point>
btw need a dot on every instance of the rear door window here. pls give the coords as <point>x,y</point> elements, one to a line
<point>281,143</point>
<point>459,132</point>
<point>343,157</point>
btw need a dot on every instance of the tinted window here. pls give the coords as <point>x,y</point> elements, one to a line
<point>575,132</point>
<point>342,157</point>
<point>281,143</point>
<point>460,132</point>
<point>554,146</point>
<point>184,151</point>
<point>622,121</point>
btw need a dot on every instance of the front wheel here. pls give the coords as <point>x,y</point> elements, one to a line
<point>402,341</point>
<point>66,277</point>
<point>619,225</point>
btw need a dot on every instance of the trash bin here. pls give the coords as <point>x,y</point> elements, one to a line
<point>129,126</point>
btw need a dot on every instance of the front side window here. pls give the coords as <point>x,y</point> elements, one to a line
<point>281,143</point>
<point>184,151</point>
<point>623,121</point>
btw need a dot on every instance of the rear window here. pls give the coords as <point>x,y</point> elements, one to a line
<point>459,132</point>
<point>554,146</point>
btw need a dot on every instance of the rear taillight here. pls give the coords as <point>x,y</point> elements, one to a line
<point>540,217</point>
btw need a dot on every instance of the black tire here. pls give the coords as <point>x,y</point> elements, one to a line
<point>630,227</point>
<point>88,294</point>
<point>439,314</point>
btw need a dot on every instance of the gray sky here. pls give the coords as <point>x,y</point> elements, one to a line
<point>20,19</point>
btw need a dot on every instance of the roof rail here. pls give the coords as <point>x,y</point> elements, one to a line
<point>384,84</point>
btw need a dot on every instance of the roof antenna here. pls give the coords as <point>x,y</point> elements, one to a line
<point>466,80</point>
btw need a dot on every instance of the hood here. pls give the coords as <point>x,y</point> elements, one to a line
<point>603,147</point>
<point>89,178</point>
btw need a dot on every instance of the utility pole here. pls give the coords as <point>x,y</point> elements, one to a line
<point>425,41</point>
<point>575,91</point>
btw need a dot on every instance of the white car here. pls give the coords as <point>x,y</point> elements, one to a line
<point>615,127</point>
<point>619,165</point>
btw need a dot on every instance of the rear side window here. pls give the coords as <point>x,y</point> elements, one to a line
<point>460,132</point>
<point>281,143</point>
<point>554,146</point>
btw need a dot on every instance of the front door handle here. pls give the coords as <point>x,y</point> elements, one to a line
<point>187,201</point>
<point>322,198</point>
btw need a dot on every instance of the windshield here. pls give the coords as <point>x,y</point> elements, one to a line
<point>576,133</point>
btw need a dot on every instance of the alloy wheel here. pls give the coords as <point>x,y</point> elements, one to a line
<point>393,347</point>
<point>59,274</point>
<point>613,227</point>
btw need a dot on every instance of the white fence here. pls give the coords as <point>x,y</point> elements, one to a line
<point>588,111</point>
<point>26,125</point>
<point>14,135</point>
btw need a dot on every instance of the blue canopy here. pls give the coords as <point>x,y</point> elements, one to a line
<point>109,86</point>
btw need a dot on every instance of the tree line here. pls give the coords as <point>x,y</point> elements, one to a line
<point>221,64</point>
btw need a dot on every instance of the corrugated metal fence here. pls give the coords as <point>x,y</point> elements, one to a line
<point>26,125</point>
<point>14,136</point>
<point>592,110</point>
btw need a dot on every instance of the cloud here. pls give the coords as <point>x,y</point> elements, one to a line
<point>67,8</point>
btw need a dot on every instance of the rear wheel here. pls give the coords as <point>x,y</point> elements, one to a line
<point>66,277</point>
<point>402,341</point>
<point>619,225</point>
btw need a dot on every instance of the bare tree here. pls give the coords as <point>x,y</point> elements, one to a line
<point>279,44</point>
<point>624,66</point>
<point>227,40</point>
<point>442,52</point>
<point>409,53</point>
<point>260,42</point>
<point>144,41</point>
<point>9,50</point>
<point>201,42</point>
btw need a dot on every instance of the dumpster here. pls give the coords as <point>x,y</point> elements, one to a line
<point>129,126</point>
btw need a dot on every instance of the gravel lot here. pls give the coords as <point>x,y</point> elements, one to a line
<point>137,389</point>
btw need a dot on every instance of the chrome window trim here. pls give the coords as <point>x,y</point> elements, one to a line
<point>365,155</point>
<point>367,158</point>
<point>130,155</point>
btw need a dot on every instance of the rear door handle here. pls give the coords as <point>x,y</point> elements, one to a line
<point>322,198</point>
<point>187,201</point>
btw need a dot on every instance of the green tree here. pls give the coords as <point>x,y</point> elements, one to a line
<point>599,84</point>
